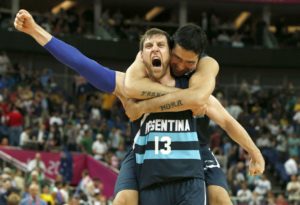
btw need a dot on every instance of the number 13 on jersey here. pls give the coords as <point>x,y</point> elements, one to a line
<point>166,140</point>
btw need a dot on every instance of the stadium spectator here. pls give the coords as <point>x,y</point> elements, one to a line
<point>13,199</point>
<point>85,179</point>
<point>75,200</point>
<point>121,152</point>
<point>234,108</point>
<point>293,190</point>
<point>66,166</point>
<point>54,140</point>
<point>33,197</point>
<point>86,142</point>
<point>19,180</point>
<point>99,147</point>
<point>4,63</point>
<point>244,195</point>
<point>35,163</point>
<point>15,123</point>
<point>41,135</point>
<point>280,200</point>
<point>291,166</point>
<point>6,186</point>
<point>36,177</point>
<point>293,144</point>
<point>25,139</point>
<point>263,186</point>
<point>115,139</point>
<point>46,195</point>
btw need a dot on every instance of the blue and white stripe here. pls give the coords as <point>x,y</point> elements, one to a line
<point>174,154</point>
<point>182,137</point>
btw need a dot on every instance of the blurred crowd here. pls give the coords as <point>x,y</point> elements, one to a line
<point>27,188</point>
<point>114,25</point>
<point>37,114</point>
<point>271,117</point>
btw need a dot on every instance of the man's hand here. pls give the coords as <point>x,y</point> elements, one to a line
<point>133,110</point>
<point>200,110</point>
<point>257,164</point>
<point>24,22</point>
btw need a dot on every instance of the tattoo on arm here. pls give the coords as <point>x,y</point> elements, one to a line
<point>151,94</point>
<point>171,105</point>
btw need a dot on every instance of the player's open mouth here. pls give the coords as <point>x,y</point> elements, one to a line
<point>156,62</point>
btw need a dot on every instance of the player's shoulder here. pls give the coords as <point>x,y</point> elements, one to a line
<point>208,62</point>
<point>208,59</point>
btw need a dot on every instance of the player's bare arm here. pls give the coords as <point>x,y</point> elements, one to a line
<point>203,81</point>
<point>103,78</point>
<point>139,86</point>
<point>217,113</point>
<point>119,90</point>
<point>201,84</point>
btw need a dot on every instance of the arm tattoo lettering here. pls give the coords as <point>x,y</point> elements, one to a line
<point>151,94</point>
<point>170,105</point>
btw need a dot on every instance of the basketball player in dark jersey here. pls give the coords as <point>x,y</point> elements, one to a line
<point>158,150</point>
<point>185,58</point>
<point>166,147</point>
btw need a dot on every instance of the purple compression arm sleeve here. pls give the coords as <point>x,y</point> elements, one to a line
<point>101,77</point>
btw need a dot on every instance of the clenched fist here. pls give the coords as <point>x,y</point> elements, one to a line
<point>257,164</point>
<point>24,22</point>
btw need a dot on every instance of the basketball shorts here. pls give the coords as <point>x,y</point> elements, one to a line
<point>127,175</point>
<point>182,192</point>
<point>213,172</point>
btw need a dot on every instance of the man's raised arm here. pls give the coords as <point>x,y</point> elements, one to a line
<point>98,75</point>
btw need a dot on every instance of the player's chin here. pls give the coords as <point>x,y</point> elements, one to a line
<point>177,73</point>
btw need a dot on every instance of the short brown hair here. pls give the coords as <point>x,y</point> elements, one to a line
<point>151,32</point>
<point>13,199</point>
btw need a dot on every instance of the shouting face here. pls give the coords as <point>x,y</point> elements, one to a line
<point>156,55</point>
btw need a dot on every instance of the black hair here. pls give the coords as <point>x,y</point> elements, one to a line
<point>191,37</point>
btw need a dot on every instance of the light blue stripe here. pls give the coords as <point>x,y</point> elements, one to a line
<point>141,140</point>
<point>175,137</point>
<point>175,154</point>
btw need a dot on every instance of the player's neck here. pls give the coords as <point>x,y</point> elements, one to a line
<point>167,79</point>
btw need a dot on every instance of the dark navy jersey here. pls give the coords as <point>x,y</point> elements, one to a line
<point>202,121</point>
<point>166,148</point>
<point>202,130</point>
